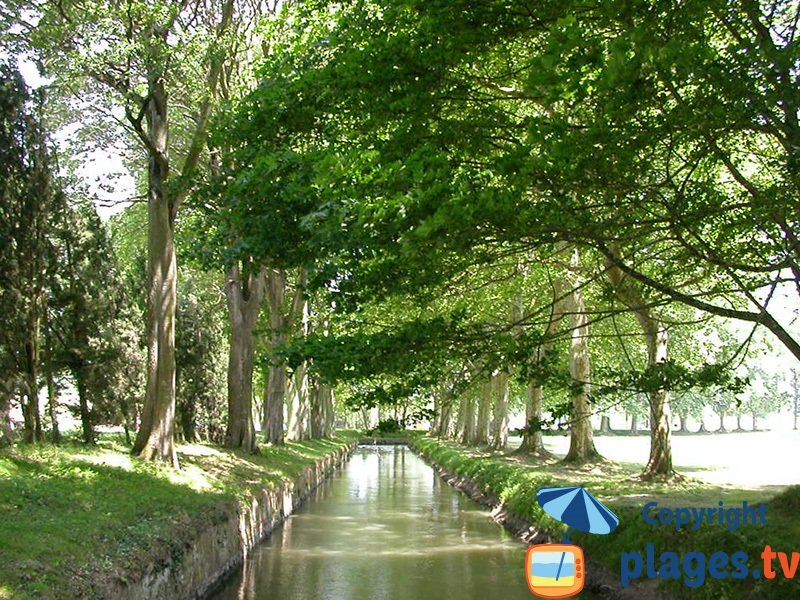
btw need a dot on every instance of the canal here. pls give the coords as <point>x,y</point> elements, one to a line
<point>385,527</point>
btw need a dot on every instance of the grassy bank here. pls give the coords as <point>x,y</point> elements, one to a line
<point>515,481</point>
<point>72,516</point>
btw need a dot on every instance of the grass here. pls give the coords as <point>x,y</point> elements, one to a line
<point>73,516</point>
<point>515,480</point>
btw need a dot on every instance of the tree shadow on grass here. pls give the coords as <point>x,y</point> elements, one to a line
<point>72,525</point>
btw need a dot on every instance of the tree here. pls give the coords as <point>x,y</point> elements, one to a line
<point>245,294</point>
<point>201,346</point>
<point>657,341</point>
<point>87,305</point>
<point>150,53</point>
<point>31,205</point>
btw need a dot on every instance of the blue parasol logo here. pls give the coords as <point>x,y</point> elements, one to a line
<point>578,509</point>
<point>559,570</point>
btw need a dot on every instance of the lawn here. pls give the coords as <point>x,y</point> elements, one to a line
<point>72,515</point>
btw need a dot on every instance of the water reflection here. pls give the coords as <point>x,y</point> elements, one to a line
<point>384,528</point>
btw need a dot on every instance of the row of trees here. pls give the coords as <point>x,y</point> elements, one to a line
<point>631,169</point>
<point>446,200</point>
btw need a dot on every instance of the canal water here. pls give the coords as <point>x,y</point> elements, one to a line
<point>385,527</point>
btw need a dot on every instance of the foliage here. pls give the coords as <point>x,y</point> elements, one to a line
<point>201,353</point>
<point>390,425</point>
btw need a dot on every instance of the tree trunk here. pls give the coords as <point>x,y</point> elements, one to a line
<point>467,418</point>
<point>299,413</point>
<point>739,423</point>
<point>721,423</point>
<point>276,384</point>
<point>605,424</point>
<point>684,425</point>
<point>634,423</point>
<point>30,404</point>
<point>156,437</point>
<point>244,294</point>
<point>532,441</point>
<point>87,427</point>
<point>299,427</point>
<point>445,416</point>
<point>316,410</point>
<point>52,403</point>
<point>581,443</point>
<point>481,436</point>
<point>755,422</point>
<point>657,341</point>
<point>500,416</point>
<point>322,417</point>
<point>702,428</point>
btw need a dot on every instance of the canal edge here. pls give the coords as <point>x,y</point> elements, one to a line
<point>600,580</point>
<point>219,549</point>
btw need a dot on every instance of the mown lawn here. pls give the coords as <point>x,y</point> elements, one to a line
<point>515,479</point>
<point>73,516</point>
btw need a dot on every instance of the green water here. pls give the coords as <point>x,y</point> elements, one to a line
<point>384,528</point>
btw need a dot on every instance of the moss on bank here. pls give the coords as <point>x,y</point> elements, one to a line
<point>71,516</point>
<point>515,483</point>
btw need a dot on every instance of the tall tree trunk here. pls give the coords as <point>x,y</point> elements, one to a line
<point>721,423</point>
<point>755,422</point>
<point>156,437</point>
<point>316,410</point>
<point>605,424</point>
<point>244,294</point>
<point>581,443</point>
<point>481,436</point>
<point>684,425</point>
<point>276,384</point>
<point>500,415</point>
<point>30,405</point>
<point>299,410</point>
<point>739,423</point>
<point>532,441</point>
<point>52,403</point>
<point>87,427</point>
<point>328,403</point>
<point>445,416</point>
<point>656,337</point>
<point>467,418</point>
<point>634,423</point>
<point>300,413</point>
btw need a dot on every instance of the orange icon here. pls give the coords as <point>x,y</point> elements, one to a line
<point>555,570</point>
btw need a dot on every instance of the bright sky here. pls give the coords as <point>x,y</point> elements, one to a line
<point>103,171</point>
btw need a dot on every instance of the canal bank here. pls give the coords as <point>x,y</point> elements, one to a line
<point>220,548</point>
<point>601,582</point>
<point>384,527</point>
<point>95,522</point>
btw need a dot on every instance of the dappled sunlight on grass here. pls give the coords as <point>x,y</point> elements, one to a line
<point>75,515</point>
